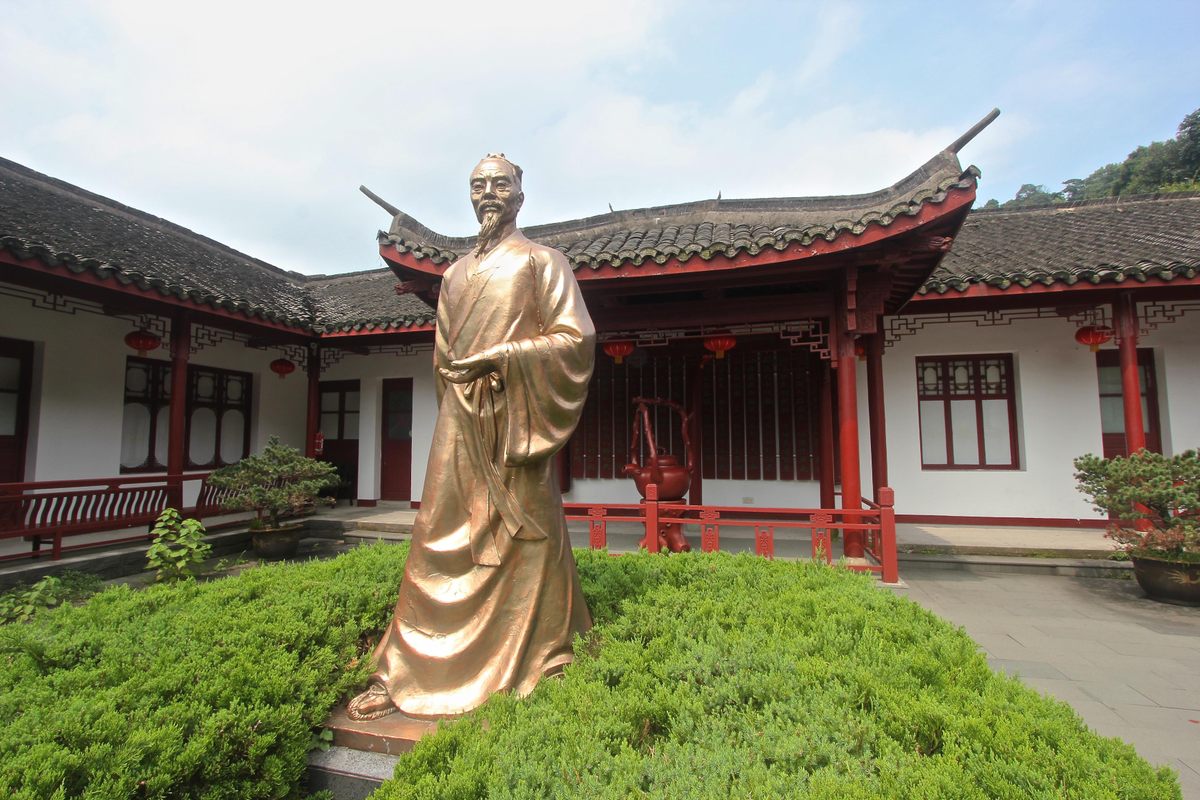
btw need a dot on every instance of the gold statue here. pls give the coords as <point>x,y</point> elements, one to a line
<point>490,599</point>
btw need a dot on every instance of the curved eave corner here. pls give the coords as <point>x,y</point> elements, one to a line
<point>410,261</point>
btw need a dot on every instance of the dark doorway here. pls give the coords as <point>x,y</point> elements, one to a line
<point>395,470</point>
<point>16,363</point>
<point>1112,408</point>
<point>339,426</point>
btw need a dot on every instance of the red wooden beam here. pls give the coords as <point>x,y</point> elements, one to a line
<point>427,327</point>
<point>978,290</point>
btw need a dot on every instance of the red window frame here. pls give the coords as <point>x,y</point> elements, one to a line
<point>978,391</point>
<point>157,395</point>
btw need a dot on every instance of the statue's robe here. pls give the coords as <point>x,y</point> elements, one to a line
<point>490,599</point>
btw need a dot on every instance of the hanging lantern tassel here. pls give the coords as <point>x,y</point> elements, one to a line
<point>143,341</point>
<point>720,345</point>
<point>282,367</point>
<point>1094,336</point>
<point>617,351</point>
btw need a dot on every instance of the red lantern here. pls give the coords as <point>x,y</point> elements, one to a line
<point>143,341</point>
<point>1094,336</point>
<point>720,344</point>
<point>282,367</point>
<point>860,350</point>
<point>617,351</point>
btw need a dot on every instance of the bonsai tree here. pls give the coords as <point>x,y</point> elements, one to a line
<point>277,482</point>
<point>1154,501</point>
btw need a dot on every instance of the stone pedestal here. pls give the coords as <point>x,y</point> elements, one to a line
<point>390,735</point>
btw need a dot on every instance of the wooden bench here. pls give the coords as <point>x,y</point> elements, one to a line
<point>55,510</point>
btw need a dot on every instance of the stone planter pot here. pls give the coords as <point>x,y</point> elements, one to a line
<point>1175,582</point>
<point>277,543</point>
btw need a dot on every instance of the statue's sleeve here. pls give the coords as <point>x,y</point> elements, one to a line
<point>547,376</point>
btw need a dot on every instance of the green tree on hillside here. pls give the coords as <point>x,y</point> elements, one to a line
<point>1170,166</point>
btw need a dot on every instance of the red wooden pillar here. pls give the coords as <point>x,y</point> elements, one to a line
<point>1126,323</point>
<point>181,344</point>
<point>312,422</point>
<point>825,436</point>
<point>847,404</point>
<point>847,381</point>
<point>879,467</point>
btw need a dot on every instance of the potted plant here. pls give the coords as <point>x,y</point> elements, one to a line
<point>279,482</point>
<point>1154,502</point>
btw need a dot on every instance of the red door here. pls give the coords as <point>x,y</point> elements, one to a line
<point>1112,406</point>
<point>395,469</point>
<point>16,358</point>
<point>339,426</point>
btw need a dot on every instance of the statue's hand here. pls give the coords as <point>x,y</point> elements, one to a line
<point>465,370</point>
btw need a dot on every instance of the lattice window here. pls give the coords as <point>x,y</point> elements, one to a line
<point>968,412</point>
<point>339,410</point>
<point>758,413</point>
<point>217,430</point>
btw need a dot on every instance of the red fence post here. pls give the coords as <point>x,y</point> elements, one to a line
<point>651,505</point>
<point>887,535</point>
<point>764,541</point>
<point>710,537</point>
<point>597,530</point>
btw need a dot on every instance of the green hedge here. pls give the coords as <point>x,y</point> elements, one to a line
<point>735,677</point>
<point>207,690</point>
<point>706,676</point>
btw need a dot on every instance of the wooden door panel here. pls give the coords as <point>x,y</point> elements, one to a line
<point>16,360</point>
<point>395,471</point>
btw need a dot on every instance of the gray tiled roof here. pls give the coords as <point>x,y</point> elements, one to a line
<point>709,227</point>
<point>67,227</point>
<point>359,300</point>
<point>1095,242</point>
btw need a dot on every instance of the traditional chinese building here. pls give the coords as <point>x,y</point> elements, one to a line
<point>829,347</point>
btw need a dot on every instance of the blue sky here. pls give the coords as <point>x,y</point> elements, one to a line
<point>255,127</point>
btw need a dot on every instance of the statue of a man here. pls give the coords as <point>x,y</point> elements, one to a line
<point>490,599</point>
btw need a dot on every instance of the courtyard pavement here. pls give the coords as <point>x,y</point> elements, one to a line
<point>1129,666</point>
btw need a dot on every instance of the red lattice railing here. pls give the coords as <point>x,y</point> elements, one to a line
<point>877,522</point>
<point>57,509</point>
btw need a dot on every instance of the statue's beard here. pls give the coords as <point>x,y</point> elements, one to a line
<point>489,229</point>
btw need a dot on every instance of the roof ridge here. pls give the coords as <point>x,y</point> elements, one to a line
<point>59,186</point>
<point>1098,201</point>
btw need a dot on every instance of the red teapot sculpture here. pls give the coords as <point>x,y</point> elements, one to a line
<point>663,469</point>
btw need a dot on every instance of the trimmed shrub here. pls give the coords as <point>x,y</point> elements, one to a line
<point>188,690</point>
<point>709,676</point>
<point>706,676</point>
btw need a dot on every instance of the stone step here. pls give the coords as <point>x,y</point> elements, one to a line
<point>360,536</point>
<point>1026,563</point>
<point>349,774</point>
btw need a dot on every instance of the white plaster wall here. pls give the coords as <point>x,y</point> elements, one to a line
<point>764,494</point>
<point>371,371</point>
<point>77,402</point>
<point>1177,359</point>
<point>1058,418</point>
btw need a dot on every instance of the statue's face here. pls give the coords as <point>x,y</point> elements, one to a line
<point>495,187</point>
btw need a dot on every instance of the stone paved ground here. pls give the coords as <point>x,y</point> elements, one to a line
<point>1128,665</point>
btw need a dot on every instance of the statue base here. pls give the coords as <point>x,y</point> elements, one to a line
<point>391,735</point>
